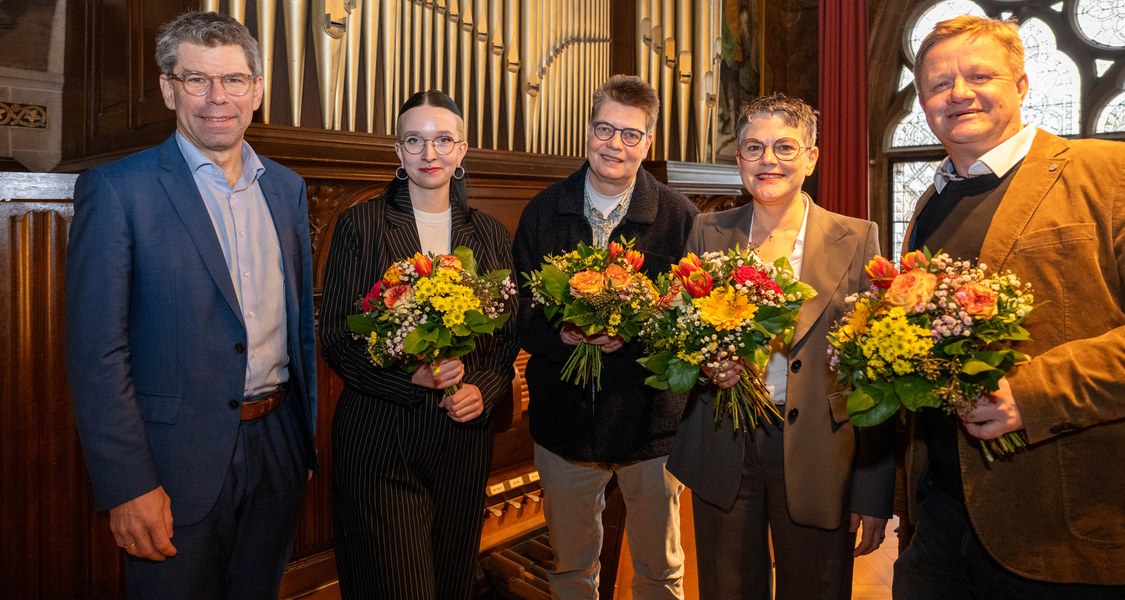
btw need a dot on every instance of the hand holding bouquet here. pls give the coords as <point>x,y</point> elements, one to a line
<point>429,308</point>
<point>934,333</point>
<point>599,291</point>
<point>717,307</point>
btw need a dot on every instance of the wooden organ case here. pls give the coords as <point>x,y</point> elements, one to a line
<point>522,71</point>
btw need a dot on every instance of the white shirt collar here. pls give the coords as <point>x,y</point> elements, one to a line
<point>998,160</point>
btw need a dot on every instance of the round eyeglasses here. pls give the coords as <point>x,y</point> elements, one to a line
<point>415,144</point>
<point>605,132</point>
<point>198,84</point>
<point>784,149</point>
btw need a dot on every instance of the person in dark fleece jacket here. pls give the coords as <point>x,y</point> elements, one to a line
<point>583,436</point>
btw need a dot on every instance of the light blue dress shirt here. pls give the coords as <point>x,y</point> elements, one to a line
<point>246,232</point>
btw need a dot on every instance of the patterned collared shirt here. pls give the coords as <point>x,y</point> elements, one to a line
<point>603,225</point>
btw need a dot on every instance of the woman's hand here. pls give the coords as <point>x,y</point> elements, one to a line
<point>440,375</point>
<point>465,405</point>
<point>725,374</point>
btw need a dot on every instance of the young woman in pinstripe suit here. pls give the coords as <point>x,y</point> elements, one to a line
<point>409,466</point>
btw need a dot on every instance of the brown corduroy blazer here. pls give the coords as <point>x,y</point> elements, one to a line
<point>1056,512</point>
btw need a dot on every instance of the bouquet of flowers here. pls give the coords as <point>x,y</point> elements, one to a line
<point>723,306</point>
<point>599,290</point>
<point>429,308</point>
<point>932,331</point>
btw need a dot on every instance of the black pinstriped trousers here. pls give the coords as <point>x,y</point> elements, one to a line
<point>408,493</point>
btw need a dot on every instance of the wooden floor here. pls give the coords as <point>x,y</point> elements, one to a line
<point>871,579</point>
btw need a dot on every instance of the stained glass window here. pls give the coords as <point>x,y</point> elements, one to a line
<point>911,178</point>
<point>1112,117</point>
<point>1100,21</point>
<point>913,130</point>
<point>937,13</point>
<point>1054,97</point>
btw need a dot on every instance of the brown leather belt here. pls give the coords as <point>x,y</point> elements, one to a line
<point>256,409</point>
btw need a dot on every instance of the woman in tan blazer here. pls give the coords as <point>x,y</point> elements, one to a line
<point>810,480</point>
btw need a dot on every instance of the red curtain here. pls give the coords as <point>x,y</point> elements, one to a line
<point>843,107</point>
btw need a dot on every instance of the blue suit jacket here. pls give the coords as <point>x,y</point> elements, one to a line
<point>156,353</point>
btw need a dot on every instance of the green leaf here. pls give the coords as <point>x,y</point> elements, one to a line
<point>682,376</point>
<point>658,382</point>
<point>976,367</point>
<point>361,324</point>
<point>881,403</point>
<point>468,261</point>
<point>915,392</point>
<point>657,363</point>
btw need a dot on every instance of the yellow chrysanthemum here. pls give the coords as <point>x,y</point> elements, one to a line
<point>448,296</point>
<point>724,308</point>
<point>893,345</point>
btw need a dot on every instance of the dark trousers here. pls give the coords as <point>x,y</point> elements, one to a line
<point>733,553</point>
<point>407,499</point>
<point>946,561</point>
<point>240,549</point>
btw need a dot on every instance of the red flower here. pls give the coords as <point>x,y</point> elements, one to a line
<point>423,265</point>
<point>372,297</point>
<point>696,280</point>
<point>752,276</point>
<point>881,271</point>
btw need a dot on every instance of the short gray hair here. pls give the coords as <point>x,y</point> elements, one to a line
<point>209,30</point>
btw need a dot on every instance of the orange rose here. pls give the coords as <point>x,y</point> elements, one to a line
<point>977,299</point>
<point>616,276</point>
<point>586,284</point>
<point>881,272</point>
<point>423,265</point>
<point>448,261</point>
<point>911,288</point>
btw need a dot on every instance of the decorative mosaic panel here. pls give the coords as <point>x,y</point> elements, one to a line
<point>23,115</point>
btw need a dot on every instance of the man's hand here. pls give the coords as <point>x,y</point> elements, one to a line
<point>438,376</point>
<point>143,526</point>
<point>572,335</point>
<point>874,530</point>
<point>465,405</point>
<point>995,414</point>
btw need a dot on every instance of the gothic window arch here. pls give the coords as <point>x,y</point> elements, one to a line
<point>1075,61</point>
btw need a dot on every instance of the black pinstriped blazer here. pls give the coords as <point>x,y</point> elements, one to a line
<point>367,239</point>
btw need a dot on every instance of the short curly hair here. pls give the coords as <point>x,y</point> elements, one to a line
<point>794,112</point>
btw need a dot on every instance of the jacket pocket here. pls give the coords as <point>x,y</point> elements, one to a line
<point>1048,239</point>
<point>1093,483</point>
<point>838,404</point>
<point>159,408</point>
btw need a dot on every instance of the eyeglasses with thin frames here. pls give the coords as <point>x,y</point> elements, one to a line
<point>199,84</point>
<point>785,149</point>
<point>605,132</point>
<point>416,144</point>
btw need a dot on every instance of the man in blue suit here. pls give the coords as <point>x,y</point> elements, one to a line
<point>190,344</point>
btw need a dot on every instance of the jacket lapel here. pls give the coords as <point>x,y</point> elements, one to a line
<point>182,192</point>
<point>828,248</point>
<point>283,224</point>
<point>1040,170</point>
